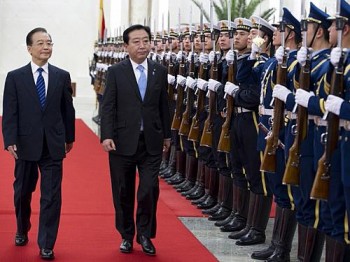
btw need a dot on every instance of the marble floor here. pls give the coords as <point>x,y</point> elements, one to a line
<point>223,248</point>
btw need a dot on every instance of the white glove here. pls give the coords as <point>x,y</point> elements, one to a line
<point>302,97</point>
<point>202,84</point>
<point>281,92</point>
<point>213,85</point>
<point>302,55</point>
<point>279,54</point>
<point>203,58</point>
<point>195,57</point>
<point>171,79</point>
<point>335,56</point>
<point>255,50</point>
<point>212,56</point>
<point>156,57</point>
<point>181,80</point>
<point>333,104</point>
<point>170,54</point>
<point>230,56</point>
<point>191,83</point>
<point>150,55</point>
<point>231,88</point>
<point>180,55</point>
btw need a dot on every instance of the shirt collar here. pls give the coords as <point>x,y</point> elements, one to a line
<point>35,67</point>
<point>135,65</point>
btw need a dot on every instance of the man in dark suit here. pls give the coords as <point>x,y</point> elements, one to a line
<point>38,128</point>
<point>135,129</point>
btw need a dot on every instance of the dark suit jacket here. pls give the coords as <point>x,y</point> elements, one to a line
<point>24,123</point>
<point>123,109</point>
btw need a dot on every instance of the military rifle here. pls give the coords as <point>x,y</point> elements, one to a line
<point>268,163</point>
<point>320,188</point>
<point>292,172</point>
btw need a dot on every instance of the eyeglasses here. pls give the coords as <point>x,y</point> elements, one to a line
<point>42,44</point>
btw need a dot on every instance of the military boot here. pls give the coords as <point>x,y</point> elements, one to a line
<point>240,220</point>
<point>267,252</point>
<point>180,169</point>
<point>226,206</point>
<point>206,187</point>
<point>197,183</point>
<point>260,218</point>
<point>213,190</point>
<point>285,237</point>
<point>191,174</point>
<point>170,170</point>
<point>313,245</point>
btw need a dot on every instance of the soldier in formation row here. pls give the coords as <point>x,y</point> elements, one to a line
<point>252,125</point>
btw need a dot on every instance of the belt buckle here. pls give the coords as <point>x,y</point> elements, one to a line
<point>347,125</point>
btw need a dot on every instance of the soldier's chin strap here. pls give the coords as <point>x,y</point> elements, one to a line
<point>313,38</point>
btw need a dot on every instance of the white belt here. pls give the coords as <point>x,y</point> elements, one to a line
<point>264,111</point>
<point>342,123</point>
<point>292,116</point>
<point>239,110</point>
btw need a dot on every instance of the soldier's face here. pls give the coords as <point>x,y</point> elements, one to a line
<point>241,39</point>
<point>138,46</point>
<point>332,34</point>
<point>208,43</point>
<point>41,48</point>
<point>224,40</point>
<point>276,38</point>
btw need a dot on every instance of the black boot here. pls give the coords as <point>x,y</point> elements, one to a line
<point>191,173</point>
<point>267,252</point>
<point>302,241</point>
<point>313,245</point>
<point>285,237</point>
<point>198,190</point>
<point>212,210</point>
<point>226,206</point>
<point>213,190</point>
<point>206,186</point>
<point>260,218</point>
<point>179,176</point>
<point>240,220</point>
<point>227,220</point>
<point>249,220</point>
<point>234,208</point>
<point>170,170</point>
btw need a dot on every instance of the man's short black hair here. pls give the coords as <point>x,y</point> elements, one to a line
<point>29,37</point>
<point>133,28</point>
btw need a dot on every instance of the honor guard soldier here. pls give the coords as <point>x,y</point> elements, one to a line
<point>329,165</point>
<point>223,208</point>
<point>300,170</point>
<point>288,36</point>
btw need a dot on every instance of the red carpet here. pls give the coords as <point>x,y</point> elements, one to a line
<point>87,230</point>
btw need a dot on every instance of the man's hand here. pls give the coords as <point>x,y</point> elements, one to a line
<point>12,150</point>
<point>69,147</point>
<point>166,145</point>
<point>108,145</point>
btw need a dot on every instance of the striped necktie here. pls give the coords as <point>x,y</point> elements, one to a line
<point>40,87</point>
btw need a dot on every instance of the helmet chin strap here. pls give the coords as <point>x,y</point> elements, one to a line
<point>313,38</point>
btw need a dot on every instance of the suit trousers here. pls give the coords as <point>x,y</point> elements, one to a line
<point>26,176</point>
<point>123,176</point>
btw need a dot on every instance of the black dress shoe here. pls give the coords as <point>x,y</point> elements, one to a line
<point>47,254</point>
<point>146,244</point>
<point>21,239</point>
<point>126,246</point>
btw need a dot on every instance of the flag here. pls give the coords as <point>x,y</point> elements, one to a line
<point>101,25</point>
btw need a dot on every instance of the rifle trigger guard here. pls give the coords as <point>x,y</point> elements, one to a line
<point>294,130</point>
<point>270,121</point>
<point>324,138</point>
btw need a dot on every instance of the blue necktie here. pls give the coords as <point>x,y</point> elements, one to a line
<point>142,82</point>
<point>40,87</point>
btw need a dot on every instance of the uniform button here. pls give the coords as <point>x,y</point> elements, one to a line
<point>346,139</point>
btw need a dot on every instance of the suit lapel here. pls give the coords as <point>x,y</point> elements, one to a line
<point>53,77</point>
<point>28,80</point>
<point>129,71</point>
<point>151,76</point>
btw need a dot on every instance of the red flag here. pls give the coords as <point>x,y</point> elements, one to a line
<point>101,25</point>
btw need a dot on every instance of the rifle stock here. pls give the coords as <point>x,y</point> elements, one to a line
<point>224,141</point>
<point>292,171</point>
<point>320,188</point>
<point>194,130</point>
<point>268,163</point>
<point>186,116</point>
<point>175,125</point>
<point>207,135</point>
